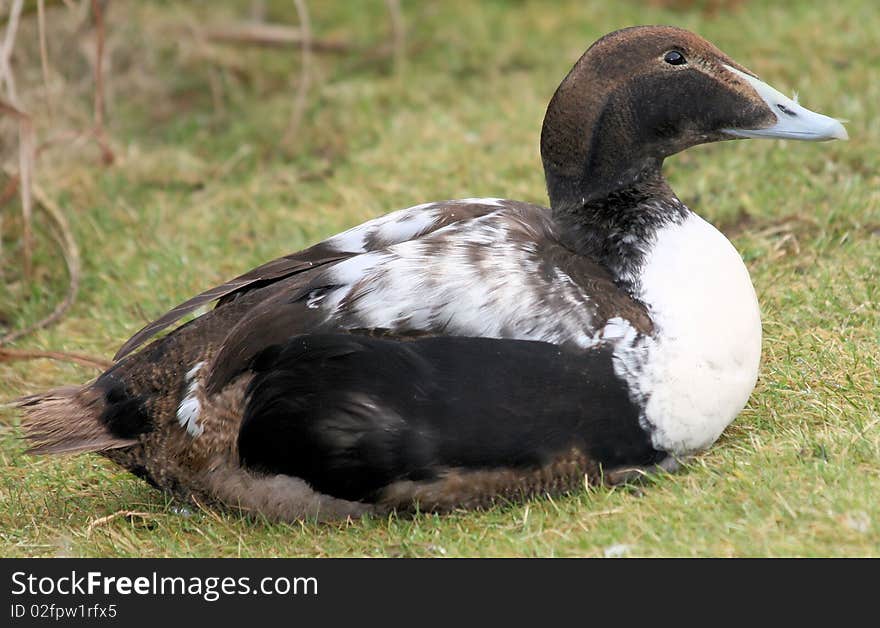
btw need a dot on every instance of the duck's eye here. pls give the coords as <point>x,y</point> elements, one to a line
<point>674,57</point>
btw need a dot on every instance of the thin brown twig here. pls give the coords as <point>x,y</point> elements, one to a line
<point>70,251</point>
<point>10,355</point>
<point>305,74</point>
<point>27,141</point>
<point>44,50</point>
<point>98,16</point>
<point>107,155</point>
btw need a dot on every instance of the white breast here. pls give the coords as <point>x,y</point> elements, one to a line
<point>697,371</point>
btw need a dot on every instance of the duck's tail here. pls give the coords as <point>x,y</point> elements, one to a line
<point>69,420</point>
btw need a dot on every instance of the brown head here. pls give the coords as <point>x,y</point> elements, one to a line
<point>641,94</point>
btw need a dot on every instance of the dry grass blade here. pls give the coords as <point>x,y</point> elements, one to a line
<point>9,355</point>
<point>302,89</point>
<point>205,509</point>
<point>398,34</point>
<point>128,514</point>
<point>6,76</point>
<point>27,141</point>
<point>44,50</point>
<point>107,155</point>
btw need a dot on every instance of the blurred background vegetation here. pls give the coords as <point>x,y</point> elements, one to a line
<point>167,146</point>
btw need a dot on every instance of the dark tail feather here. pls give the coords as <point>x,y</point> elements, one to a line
<point>67,421</point>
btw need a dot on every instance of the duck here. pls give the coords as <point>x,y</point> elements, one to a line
<point>458,353</point>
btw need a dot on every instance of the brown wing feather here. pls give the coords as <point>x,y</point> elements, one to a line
<point>321,254</point>
<point>286,312</point>
<point>270,321</point>
<point>277,269</point>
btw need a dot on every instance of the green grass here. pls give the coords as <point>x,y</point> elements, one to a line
<point>200,194</point>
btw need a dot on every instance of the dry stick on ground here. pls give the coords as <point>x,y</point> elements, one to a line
<point>10,355</point>
<point>107,155</point>
<point>305,75</point>
<point>128,514</point>
<point>69,250</point>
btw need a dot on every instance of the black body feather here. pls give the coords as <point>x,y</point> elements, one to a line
<point>351,414</point>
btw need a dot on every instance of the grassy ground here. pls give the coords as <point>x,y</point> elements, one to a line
<point>201,192</point>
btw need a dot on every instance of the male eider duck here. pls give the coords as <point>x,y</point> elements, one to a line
<point>456,352</point>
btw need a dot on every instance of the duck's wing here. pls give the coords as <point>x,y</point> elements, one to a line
<point>377,234</point>
<point>501,275</point>
<point>312,258</point>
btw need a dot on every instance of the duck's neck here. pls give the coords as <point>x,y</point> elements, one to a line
<point>618,229</point>
<point>602,153</point>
